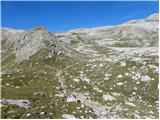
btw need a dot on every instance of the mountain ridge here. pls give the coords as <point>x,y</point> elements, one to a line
<point>109,72</point>
<point>154,16</point>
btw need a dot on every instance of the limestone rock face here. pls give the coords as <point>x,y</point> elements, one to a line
<point>27,43</point>
<point>33,40</point>
<point>135,33</point>
<point>8,39</point>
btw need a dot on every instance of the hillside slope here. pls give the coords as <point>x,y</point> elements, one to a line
<point>105,72</point>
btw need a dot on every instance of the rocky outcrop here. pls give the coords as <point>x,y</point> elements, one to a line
<point>27,43</point>
<point>8,39</point>
<point>32,41</point>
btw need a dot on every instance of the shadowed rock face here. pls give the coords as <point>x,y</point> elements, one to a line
<point>106,72</point>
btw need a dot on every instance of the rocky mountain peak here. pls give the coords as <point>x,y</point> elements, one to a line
<point>39,28</point>
<point>31,41</point>
<point>154,16</point>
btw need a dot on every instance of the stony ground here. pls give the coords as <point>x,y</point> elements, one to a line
<point>107,72</point>
<point>120,84</point>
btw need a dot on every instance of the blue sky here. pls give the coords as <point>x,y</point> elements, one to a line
<point>63,16</point>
